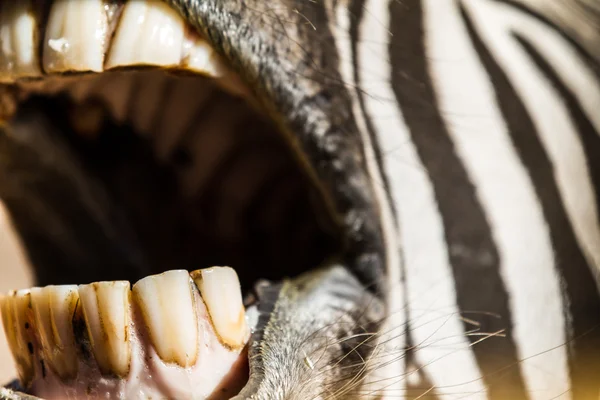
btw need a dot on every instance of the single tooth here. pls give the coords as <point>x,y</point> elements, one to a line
<point>167,305</point>
<point>53,310</point>
<point>17,321</point>
<point>199,56</point>
<point>107,316</point>
<point>149,33</point>
<point>220,289</point>
<point>76,36</point>
<point>18,40</point>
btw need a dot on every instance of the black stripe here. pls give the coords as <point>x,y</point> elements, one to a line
<point>579,289</point>
<point>472,252</point>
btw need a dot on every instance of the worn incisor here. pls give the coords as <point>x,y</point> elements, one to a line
<point>220,290</point>
<point>18,40</point>
<point>53,309</point>
<point>75,37</point>
<point>149,33</point>
<point>106,309</point>
<point>17,321</point>
<point>167,305</point>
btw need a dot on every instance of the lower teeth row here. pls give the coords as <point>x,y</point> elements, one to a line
<point>69,336</point>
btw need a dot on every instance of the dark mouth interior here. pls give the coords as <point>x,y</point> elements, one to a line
<point>190,175</point>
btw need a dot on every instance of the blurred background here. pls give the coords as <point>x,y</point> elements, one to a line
<point>14,274</point>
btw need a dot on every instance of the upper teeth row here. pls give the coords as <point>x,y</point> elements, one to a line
<point>93,35</point>
<point>42,323</point>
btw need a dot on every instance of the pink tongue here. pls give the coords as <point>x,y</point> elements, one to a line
<point>218,373</point>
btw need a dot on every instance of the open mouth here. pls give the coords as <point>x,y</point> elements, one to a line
<point>169,164</point>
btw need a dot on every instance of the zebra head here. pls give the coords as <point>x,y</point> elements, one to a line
<point>406,190</point>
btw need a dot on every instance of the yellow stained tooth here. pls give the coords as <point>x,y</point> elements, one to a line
<point>106,308</point>
<point>149,33</point>
<point>220,290</point>
<point>17,321</point>
<point>76,36</point>
<point>167,305</point>
<point>199,56</point>
<point>53,309</point>
<point>8,321</point>
<point>18,40</point>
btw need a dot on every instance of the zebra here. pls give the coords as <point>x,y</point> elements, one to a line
<point>457,145</point>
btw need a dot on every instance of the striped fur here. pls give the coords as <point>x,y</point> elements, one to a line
<point>485,118</point>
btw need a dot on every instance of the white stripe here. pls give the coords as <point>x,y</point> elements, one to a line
<point>386,379</point>
<point>430,283</point>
